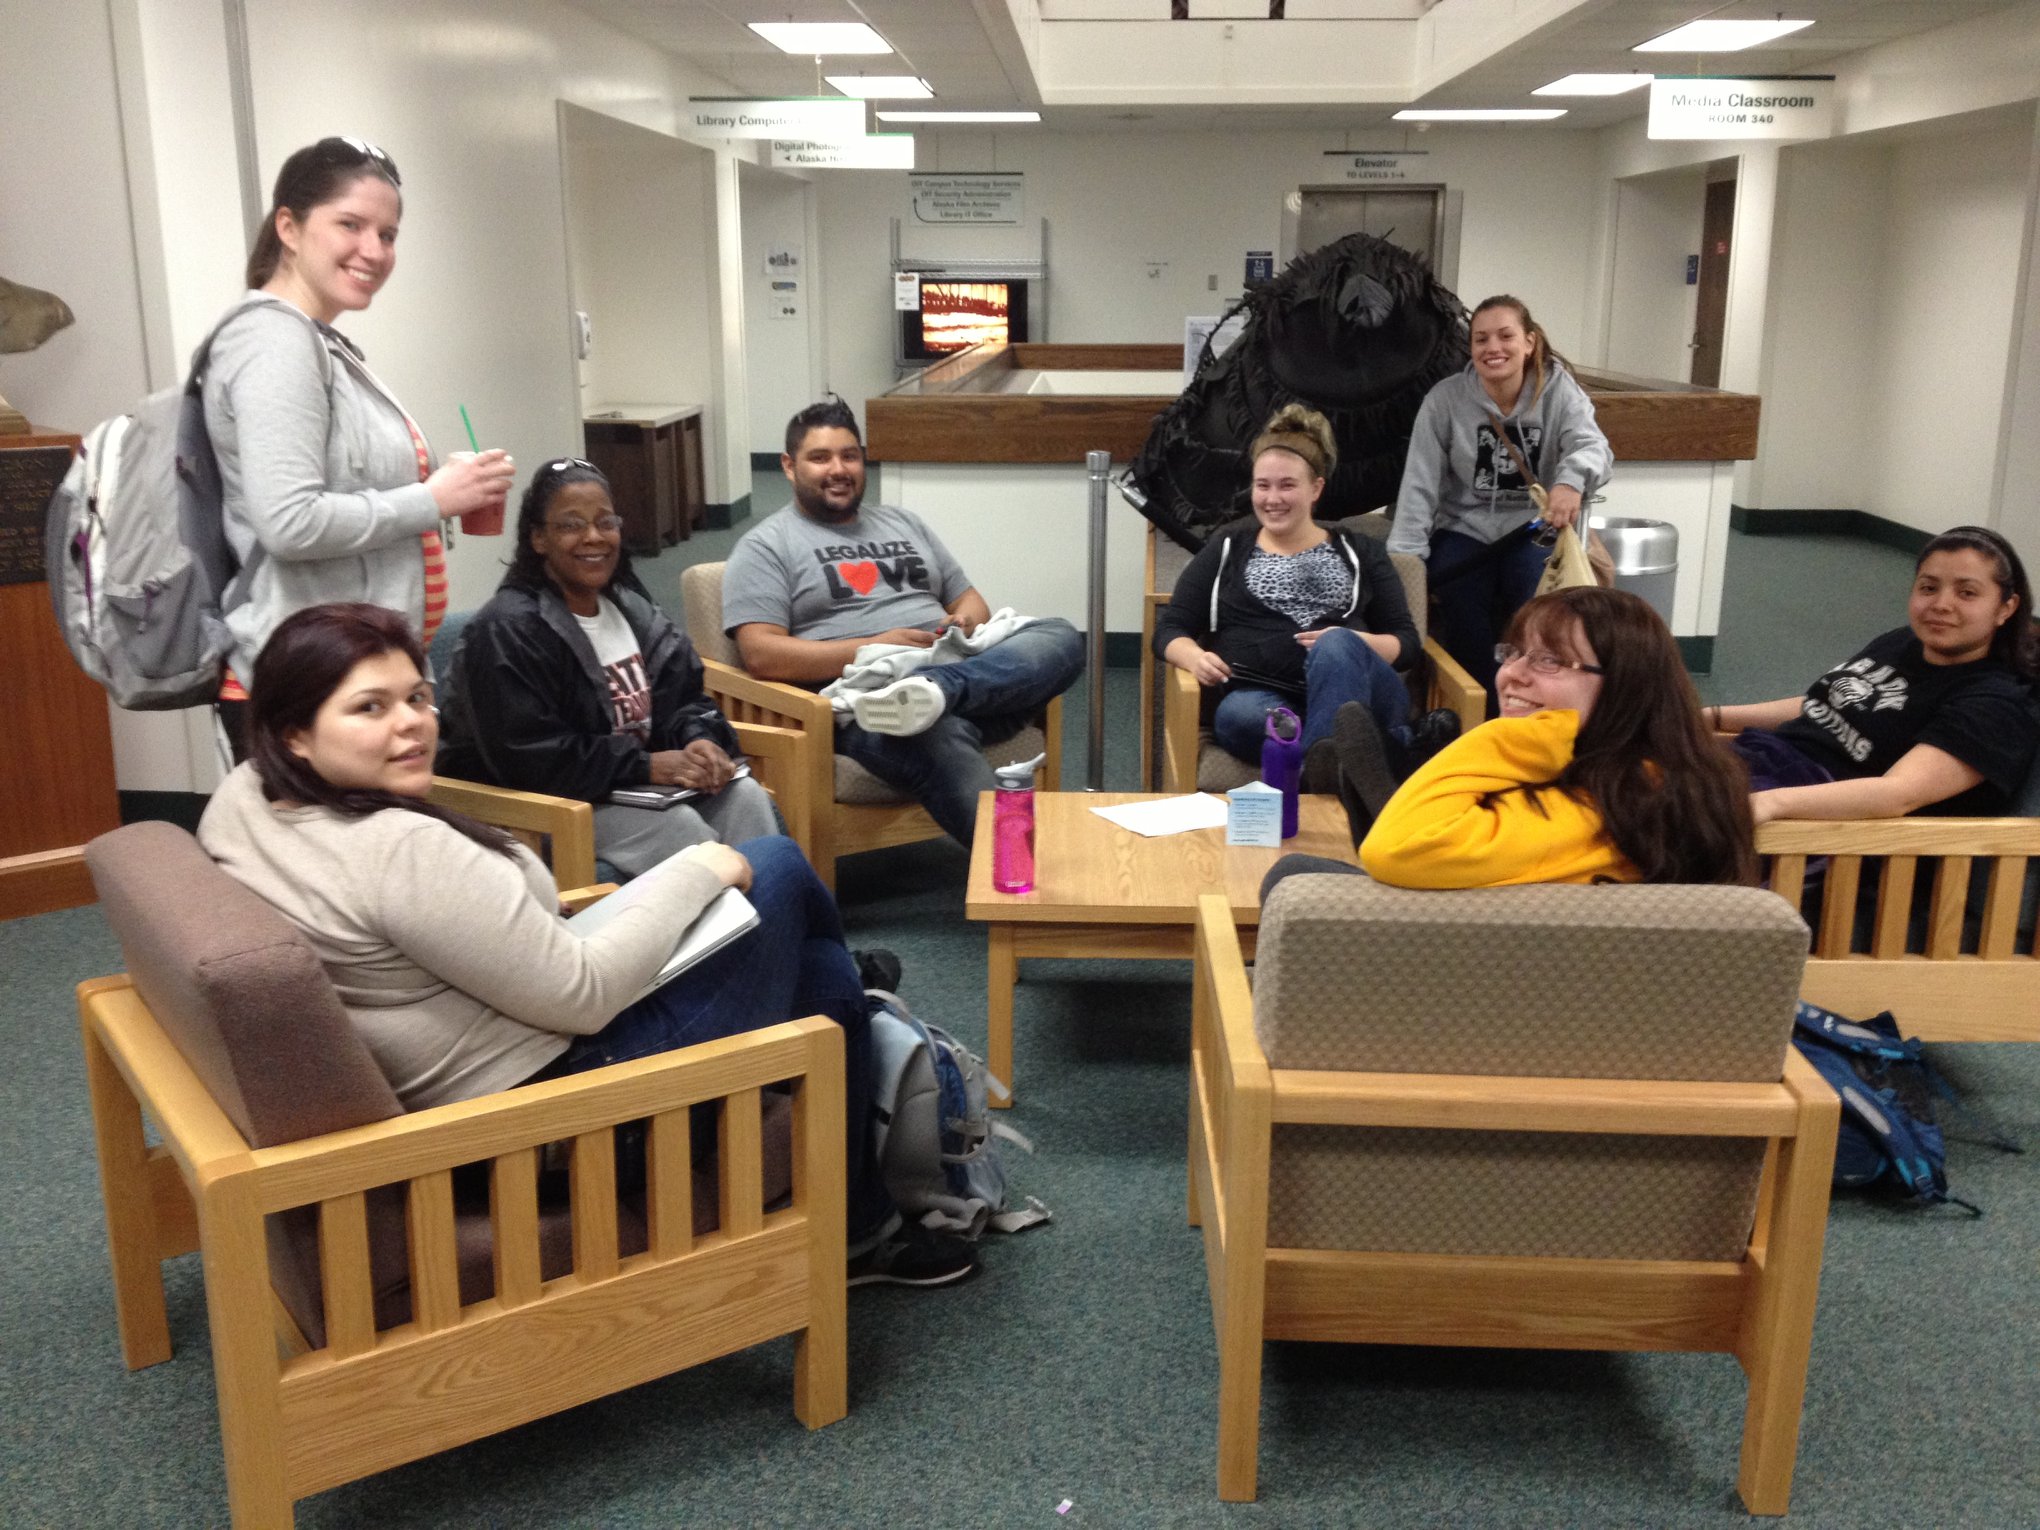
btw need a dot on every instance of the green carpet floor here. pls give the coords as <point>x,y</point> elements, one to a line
<point>1080,1366</point>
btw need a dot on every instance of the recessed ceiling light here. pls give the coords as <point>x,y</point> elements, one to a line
<point>959,116</point>
<point>1719,36</point>
<point>1482,114</point>
<point>1593,85</point>
<point>809,38</point>
<point>885,87</point>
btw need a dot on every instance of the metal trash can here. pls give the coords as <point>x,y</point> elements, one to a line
<point>1646,555</point>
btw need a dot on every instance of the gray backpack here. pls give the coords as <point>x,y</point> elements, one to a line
<point>136,549</point>
<point>938,1146</point>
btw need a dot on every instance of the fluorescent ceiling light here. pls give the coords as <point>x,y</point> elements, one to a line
<point>1593,85</point>
<point>959,116</point>
<point>812,37</point>
<point>1718,36</point>
<point>889,87</point>
<point>1482,114</point>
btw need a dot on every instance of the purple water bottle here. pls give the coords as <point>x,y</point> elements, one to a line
<point>1013,827</point>
<point>1282,762</point>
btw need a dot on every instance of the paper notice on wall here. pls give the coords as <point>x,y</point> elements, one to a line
<point>782,259</point>
<point>906,291</point>
<point>1199,328</point>
<point>785,302</point>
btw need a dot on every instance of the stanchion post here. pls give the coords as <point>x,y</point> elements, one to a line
<point>1099,465</point>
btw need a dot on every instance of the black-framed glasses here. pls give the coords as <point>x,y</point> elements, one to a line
<point>574,526</point>
<point>348,150</point>
<point>1540,662</point>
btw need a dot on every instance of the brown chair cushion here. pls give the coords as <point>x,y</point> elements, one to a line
<point>236,988</point>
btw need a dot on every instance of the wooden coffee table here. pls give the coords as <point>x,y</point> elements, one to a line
<point>1100,890</point>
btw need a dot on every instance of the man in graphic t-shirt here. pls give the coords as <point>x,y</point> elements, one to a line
<point>813,583</point>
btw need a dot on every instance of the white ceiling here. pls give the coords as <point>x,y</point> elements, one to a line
<point>969,51</point>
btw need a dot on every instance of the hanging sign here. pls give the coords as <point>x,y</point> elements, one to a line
<point>1376,164</point>
<point>824,118</point>
<point>1799,106</point>
<point>985,196</point>
<point>875,151</point>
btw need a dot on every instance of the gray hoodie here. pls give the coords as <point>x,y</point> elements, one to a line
<point>320,479</point>
<point>1458,477</point>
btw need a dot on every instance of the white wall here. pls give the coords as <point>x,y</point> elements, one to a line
<point>1953,242</point>
<point>1827,296</point>
<point>641,239</point>
<point>1198,202</point>
<point>1651,315</point>
<point>778,353</point>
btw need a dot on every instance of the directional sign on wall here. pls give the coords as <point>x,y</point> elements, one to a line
<point>1799,106</point>
<point>827,118</point>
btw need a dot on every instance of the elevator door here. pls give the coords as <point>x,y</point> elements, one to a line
<point>1410,216</point>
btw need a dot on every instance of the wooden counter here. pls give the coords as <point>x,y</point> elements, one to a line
<point>954,411</point>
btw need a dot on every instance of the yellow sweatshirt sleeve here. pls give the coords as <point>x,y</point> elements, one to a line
<point>1438,832</point>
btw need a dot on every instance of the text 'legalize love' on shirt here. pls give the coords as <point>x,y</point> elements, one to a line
<point>882,568</point>
<point>1862,715</point>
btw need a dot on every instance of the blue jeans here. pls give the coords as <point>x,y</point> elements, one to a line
<point>1470,613</point>
<point>1339,668</point>
<point>990,697</point>
<point>793,964</point>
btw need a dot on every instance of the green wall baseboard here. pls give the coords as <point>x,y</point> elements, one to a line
<point>1845,523</point>
<point>722,517</point>
<point>1698,652</point>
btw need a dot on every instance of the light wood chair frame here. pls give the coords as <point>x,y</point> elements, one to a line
<point>296,1420</point>
<point>1450,687</point>
<point>801,726</point>
<point>1932,987</point>
<point>1760,1309</point>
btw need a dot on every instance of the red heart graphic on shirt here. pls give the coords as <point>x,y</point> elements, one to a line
<point>861,577</point>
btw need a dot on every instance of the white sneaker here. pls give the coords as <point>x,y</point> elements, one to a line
<point>902,709</point>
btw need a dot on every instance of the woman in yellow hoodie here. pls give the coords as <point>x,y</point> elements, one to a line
<point>1598,768</point>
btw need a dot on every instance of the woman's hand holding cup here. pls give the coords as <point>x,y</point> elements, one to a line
<point>473,486</point>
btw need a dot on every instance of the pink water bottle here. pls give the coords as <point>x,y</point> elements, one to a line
<point>1013,826</point>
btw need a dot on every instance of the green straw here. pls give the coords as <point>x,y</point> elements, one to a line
<point>472,442</point>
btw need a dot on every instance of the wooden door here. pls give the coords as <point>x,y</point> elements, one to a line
<point>1717,234</point>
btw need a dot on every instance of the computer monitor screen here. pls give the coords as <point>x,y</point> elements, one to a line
<point>957,315</point>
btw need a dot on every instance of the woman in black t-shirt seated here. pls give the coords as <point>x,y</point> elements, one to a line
<point>1932,717</point>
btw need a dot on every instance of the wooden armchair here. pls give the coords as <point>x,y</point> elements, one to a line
<point>1192,761</point>
<point>833,806</point>
<point>1541,1117</point>
<point>1930,918</point>
<point>382,1286</point>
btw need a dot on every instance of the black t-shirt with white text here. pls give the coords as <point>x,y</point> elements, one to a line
<point>1862,715</point>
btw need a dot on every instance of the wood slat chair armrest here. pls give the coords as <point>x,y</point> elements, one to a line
<point>569,824</point>
<point>765,701</point>
<point>1180,706</point>
<point>1453,688</point>
<point>1899,836</point>
<point>577,898</point>
<point>775,754</point>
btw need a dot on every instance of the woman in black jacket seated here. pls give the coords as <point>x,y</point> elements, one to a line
<point>570,681</point>
<point>1287,612</point>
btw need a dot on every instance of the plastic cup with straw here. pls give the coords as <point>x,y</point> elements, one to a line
<point>479,523</point>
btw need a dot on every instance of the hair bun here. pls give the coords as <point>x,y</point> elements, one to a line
<point>1294,420</point>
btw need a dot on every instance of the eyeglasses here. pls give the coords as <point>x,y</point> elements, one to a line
<point>1540,662</point>
<point>360,149</point>
<point>574,526</point>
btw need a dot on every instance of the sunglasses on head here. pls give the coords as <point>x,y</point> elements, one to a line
<point>346,150</point>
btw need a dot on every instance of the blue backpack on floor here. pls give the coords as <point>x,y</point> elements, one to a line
<point>1887,1089</point>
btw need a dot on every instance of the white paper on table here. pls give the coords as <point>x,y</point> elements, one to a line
<point>1171,815</point>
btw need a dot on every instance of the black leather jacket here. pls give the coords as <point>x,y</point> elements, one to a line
<point>524,703</point>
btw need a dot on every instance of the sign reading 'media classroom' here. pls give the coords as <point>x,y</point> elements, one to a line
<point>1796,106</point>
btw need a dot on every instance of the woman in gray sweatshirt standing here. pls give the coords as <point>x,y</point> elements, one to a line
<point>331,492</point>
<point>1465,506</point>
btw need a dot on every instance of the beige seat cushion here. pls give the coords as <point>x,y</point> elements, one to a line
<point>1562,982</point>
<point>701,594</point>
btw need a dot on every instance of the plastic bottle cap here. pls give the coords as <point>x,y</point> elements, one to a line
<point>1019,776</point>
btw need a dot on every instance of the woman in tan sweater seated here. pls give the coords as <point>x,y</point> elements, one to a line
<point>443,936</point>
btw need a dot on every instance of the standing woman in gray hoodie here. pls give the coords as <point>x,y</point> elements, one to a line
<point>1464,505</point>
<point>331,492</point>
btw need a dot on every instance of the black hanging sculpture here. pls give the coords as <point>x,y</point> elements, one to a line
<point>1359,330</point>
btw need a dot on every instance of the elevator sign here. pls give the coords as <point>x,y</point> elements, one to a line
<point>1795,107</point>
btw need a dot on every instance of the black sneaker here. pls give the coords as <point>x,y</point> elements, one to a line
<point>915,1256</point>
<point>877,968</point>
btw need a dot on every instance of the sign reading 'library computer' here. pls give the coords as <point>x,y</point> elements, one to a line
<point>1796,107</point>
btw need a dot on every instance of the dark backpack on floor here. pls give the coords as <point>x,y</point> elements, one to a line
<point>1888,1090</point>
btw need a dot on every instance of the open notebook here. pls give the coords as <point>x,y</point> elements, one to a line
<point>728,915</point>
